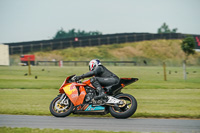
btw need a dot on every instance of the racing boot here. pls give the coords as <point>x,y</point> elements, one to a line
<point>101,95</point>
<point>100,90</point>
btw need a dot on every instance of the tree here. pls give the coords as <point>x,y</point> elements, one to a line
<point>72,33</point>
<point>187,45</point>
<point>165,29</point>
<point>60,34</point>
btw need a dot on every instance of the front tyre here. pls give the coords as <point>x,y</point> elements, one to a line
<point>127,109</point>
<point>61,108</point>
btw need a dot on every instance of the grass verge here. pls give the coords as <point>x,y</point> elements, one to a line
<point>37,130</point>
<point>165,103</point>
<point>52,77</point>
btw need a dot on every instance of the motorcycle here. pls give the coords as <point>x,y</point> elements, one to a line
<point>77,97</point>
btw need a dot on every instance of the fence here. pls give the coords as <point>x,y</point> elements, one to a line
<point>81,63</point>
<point>27,47</point>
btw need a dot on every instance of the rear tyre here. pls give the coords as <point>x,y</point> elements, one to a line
<point>126,110</point>
<point>61,110</point>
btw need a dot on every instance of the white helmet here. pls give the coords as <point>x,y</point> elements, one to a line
<point>93,64</point>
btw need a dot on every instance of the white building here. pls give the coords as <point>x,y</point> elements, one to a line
<point>4,55</point>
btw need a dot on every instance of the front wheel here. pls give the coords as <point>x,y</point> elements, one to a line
<point>127,109</point>
<point>61,107</point>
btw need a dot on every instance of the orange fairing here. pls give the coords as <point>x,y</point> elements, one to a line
<point>64,84</point>
<point>81,96</point>
<point>72,92</point>
<point>87,82</point>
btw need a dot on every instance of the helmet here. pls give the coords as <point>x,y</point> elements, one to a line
<point>93,64</point>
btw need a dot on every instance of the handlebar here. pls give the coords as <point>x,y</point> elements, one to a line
<point>74,79</point>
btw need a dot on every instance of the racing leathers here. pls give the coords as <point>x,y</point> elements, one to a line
<point>102,77</point>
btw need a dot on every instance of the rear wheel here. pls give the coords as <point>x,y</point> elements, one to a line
<point>127,109</point>
<point>61,108</point>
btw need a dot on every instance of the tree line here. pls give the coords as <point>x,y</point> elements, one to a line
<point>61,34</point>
<point>73,33</point>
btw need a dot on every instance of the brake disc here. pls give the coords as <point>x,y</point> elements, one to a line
<point>60,107</point>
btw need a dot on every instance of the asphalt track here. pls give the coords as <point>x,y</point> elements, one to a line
<point>107,124</point>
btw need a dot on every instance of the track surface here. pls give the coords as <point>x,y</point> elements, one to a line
<point>107,124</point>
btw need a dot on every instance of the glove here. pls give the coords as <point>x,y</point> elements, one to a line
<point>78,78</point>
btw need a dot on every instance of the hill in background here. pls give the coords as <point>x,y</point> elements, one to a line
<point>154,52</point>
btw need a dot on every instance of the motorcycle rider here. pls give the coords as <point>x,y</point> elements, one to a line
<point>101,77</point>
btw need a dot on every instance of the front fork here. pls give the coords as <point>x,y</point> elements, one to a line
<point>63,100</point>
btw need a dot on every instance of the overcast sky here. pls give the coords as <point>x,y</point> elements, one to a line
<point>31,20</point>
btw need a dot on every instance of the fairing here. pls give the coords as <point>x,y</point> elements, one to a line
<point>76,96</point>
<point>76,92</point>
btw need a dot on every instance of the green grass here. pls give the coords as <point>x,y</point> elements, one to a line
<point>175,97</point>
<point>37,130</point>
<point>167,103</point>
<point>52,77</point>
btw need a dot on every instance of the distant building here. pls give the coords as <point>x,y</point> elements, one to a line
<point>4,55</point>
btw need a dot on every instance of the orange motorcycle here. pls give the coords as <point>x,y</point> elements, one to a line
<point>78,97</point>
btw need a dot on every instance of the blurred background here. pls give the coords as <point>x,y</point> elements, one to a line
<point>154,40</point>
<point>145,32</point>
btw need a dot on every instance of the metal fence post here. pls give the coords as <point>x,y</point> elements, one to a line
<point>143,37</point>
<point>21,49</point>
<point>99,41</point>
<point>11,49</point>
<point>51,45</point>
<point>152,38</point>
<point>108,40</point>
<point>117,39</point>
<point>126,38</point>
<point>31,48</point>
<point>61,44</point>
<point>80,43</point>
<point>135,38</point>
<point>41,47</point>
<point>89,42</point>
